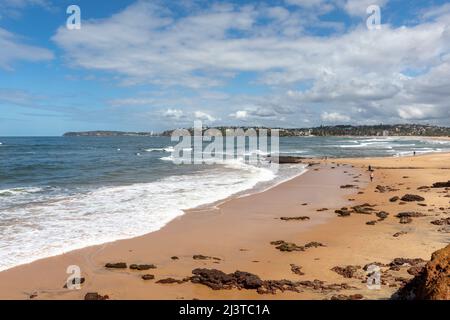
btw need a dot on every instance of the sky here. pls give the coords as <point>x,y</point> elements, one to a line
<point>138,65</point>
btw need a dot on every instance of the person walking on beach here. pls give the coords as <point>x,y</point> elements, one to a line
<point>371,176</point>
<point>370,167</point>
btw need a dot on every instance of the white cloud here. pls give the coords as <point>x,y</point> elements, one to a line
<point>418,112</point>
<point>14,8</point>
<point>200,115</point>
<point>359,73</point>
<point>13,49</point>
<point>334,117</point>
<point>175,114</point>
<point>240,114</point>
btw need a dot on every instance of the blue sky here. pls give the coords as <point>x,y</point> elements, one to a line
<point>155,65</point>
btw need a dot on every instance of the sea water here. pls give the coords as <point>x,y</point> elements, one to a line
<point>63,193</point>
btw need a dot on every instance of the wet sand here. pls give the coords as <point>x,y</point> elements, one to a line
<point>239,231</point>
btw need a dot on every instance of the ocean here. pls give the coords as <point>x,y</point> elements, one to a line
<point>63,193</point>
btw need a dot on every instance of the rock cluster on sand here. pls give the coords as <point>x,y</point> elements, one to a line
<point>172,280</point>
<point>401,262</point>
<point>301,218</point>
<point>218,280</point>
<point>289,246</point>
<point>432,282</point>
<point>116,265</point>
<point>383,189</point>
<point>346,272</point>
<point>148,277</point>
<point>202,257</point>
<point>441,184</point>
<point>412,197</point>
<point>95,296</point>
<point>345,297</point>
<point>297,270</point>
<point>406,217</point>
<point>75,281</point>
<point>349,186</point>
<point>141,267</point>
<point>441,222</point>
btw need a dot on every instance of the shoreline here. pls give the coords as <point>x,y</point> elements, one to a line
<point>89,257</point>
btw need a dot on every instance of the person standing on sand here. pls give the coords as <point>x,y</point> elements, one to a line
<point>371,176</point>
<point>370,167</point>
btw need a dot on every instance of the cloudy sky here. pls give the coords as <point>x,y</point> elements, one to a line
<point>154,65</point>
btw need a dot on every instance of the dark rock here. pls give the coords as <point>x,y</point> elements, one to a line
<point>398,234</point>
<point>117,265</point>
<point>141,267</point>
<point>95,296</point>
<point>345,297</point>
<point>412,197</point>
<point>416,270</point>
<point>405,220</point>
<point>432,283</point>
<point>378,264</point>
<point>406,217</point>
<point>441,184</point>
<point>363,209</point>
<point>400,262</point>
<point>322,209</point>
<point>215,279</point>
<point>171,281</point>
<point>148,277</point>
<point>394,199</point>
<point>343,213</point>
<point>349,186</point>
<point>297,270</point>
<point>218,280</point>
<point>202,257</point>
<point>346,272</point>
<point>441,222</point>
<point>174,258</point>
<point>411,214</point>
<point>74,282</point>
<point>371,223</point>
<point>314,244</point>
<point>247,280</point>
<point>287,246</point>
<point>294,218</point>
<point>382,214</point>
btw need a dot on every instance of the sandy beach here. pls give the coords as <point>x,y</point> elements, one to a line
<point>246,234</point>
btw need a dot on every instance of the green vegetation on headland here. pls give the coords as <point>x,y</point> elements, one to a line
<point>340,130</point>
<point>100,133</point>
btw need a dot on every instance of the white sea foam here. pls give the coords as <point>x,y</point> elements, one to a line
<point>154,149</point>
<point>17,191</point>
<point>168,158</point>
<point>46,228</point>
<point>168,149</point>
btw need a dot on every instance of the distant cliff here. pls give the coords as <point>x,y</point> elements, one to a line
<point>340,130</point>
<point>349,130</point>
<point>107,134</point>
